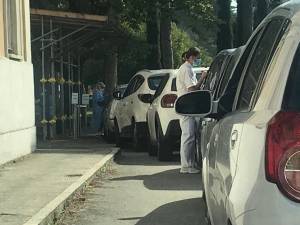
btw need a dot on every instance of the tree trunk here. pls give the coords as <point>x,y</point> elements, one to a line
<point>224,35</point>
<point>244,21</point>
<point>153,37</point>
<point>111,70</point>
<point>167,59</point>
<point>261,11</point>
<point>275,3</point>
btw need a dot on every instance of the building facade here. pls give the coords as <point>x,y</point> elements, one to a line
<point>17,120</point>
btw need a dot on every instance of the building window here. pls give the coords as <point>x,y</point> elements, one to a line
<point>14,29</point>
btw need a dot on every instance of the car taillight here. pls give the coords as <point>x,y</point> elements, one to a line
<point>168,101</point>
<point>283,153</point>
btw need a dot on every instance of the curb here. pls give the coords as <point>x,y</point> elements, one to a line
<point>51,212</point>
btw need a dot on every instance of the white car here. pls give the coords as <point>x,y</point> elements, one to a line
<point>110,112</point>
<point>162,120</point>
<point>131,110</point>
<point>251,170</point>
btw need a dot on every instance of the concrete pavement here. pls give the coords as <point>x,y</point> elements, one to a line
<point>30,184</point>
<point>141,191</point>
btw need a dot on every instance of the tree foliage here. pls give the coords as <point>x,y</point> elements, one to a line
<point>224,34</point>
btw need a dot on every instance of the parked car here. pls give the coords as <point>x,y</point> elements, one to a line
<point>131,110</point>
<point>251,169</point>
<point>162,120</point>
<point>199,71</point>
<point>216,82</point>
<point>216,75</point>
<point>110,113</point>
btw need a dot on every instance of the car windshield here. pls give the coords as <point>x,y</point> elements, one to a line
<point>162,85</point>
<point>154,81</point>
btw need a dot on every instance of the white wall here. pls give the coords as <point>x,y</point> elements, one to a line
<point>17,123</point>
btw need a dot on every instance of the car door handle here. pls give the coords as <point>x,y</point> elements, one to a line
<point>234,139</point>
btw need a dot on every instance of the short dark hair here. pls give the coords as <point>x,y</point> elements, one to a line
<point>194,51</point>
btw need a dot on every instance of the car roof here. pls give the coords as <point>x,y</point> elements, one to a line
<point>291,9</point>
<point>200,69</point>
<point>149,73</point>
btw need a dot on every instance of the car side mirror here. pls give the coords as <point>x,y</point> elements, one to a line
<point>117,95</point>
<point>146,98</point>
<point>198,103</point>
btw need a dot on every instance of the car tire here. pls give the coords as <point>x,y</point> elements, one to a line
<point>152,149</point>
<point>164,147</point>
<point>137,142</point>
<point>119,140</point>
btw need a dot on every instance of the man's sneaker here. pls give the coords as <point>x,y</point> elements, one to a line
<point>193,171</point>
<point>184,170</point>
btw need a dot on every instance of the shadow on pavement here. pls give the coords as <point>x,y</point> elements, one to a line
<point>168,180</point>
<point>185,212</point>
<point>128,157</point>
<point>84,145</point>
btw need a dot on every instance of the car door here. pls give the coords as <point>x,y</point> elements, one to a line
<point>207,124</point>
<point>123,104</point>
<point>164,84</point>
<point>227,139</point>
<point>133,100</point>
<point>216,201</point>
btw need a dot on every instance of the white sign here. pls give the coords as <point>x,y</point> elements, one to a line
<point>75,98</point>
<point>85,99</point>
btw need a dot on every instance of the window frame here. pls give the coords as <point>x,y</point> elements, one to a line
<point>289,87</point>
<point>18,51</point>
<point>263,74</point>
<point>130,87</point>
<point>141,79</point>
<point>230,92</point>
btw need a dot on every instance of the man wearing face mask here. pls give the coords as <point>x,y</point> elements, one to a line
<point>187,82</point>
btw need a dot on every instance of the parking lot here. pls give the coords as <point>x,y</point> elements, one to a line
<point>140,190</point>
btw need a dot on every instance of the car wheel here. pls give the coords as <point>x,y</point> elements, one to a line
<point>137,141</point>
<point>152,149</point>
<point>119,140</point>
<point>164,148</point>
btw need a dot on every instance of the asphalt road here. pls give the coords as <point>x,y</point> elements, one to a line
<point>141,191</point>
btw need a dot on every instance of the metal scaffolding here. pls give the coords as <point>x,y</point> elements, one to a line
<point>58,75</point>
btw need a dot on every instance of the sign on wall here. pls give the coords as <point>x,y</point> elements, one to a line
<point>85,99</point>
<point>75,99</point>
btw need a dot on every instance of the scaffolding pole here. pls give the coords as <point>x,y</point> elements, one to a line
<point>69,93</point>
<point>52,87</point>
<point>62,97</point>
<point>44,120</point>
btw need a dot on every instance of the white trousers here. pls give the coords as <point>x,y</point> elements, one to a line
<point>188,141</point>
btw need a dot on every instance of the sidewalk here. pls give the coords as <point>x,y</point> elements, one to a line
<point>30,184</point>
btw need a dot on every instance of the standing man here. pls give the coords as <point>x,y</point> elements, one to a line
<point>187,82</point>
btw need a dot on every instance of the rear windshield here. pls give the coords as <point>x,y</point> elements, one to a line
<point>291,99</point>
<point>162,85</point>
<point>154,81</point>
